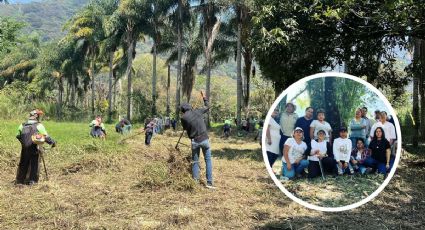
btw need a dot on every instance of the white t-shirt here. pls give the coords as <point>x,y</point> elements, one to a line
<point>321,126</point>
<point>342,149</point>
<point>274,129</point>
<point>296,151</point>
<point>321,146</point>
<point>388,128</point>
<point>358,156</point>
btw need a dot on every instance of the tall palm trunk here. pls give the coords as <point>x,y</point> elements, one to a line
<point>247,80</point>
<point>415,110</point>
<point>73,89</point>
<point>179,58</point>
<point>168,92</point>
<point>239,69</point>
<point>111,75</point>
<point>208,86</point>
<point>130,51</point>
<point>154,79</point>
<point>421,86</point>
<point>92,85</point>
<point>60,98</point>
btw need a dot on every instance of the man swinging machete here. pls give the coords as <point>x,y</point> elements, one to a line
<point>30,134</point>
<point>194,125</point>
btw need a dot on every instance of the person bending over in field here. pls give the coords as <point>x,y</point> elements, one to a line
<point>194,125</point>
<point>150,125</point>
<point>97,128</point>
<point>30,134</point>
<point>123,126</point>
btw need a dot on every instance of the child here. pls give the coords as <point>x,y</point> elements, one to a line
<point>342,151</point>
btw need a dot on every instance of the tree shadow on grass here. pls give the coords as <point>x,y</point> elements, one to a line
<point>234,154</point>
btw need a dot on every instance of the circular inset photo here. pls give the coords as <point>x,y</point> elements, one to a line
<point>331,142</point>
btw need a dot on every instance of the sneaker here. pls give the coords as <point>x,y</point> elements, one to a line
<point>284,178</point>
<point>31,182</point>
<point>210,186</point>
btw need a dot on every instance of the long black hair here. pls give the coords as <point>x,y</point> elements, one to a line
<point>374,134</point>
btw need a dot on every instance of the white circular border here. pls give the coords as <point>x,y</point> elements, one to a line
<point>347,207</point>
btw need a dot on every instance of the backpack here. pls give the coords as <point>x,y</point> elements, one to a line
<point>28,130</point>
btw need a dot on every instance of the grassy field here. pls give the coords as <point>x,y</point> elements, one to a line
<point>104,185</point>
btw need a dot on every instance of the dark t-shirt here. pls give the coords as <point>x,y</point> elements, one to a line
<point>305,125</point>
<point>379,149</point>
<point>194,124</point>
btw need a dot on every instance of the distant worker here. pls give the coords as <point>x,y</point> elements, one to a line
<point>150,125</point>
<point>123,126</point>
<point>30,134</point>
<point>193,123</point>
<point>97,128</point>
<point>227,128</point>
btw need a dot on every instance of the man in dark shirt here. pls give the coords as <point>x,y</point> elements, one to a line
<point>304,123</point>
<point>194,124</point>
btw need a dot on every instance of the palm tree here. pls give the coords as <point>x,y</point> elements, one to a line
<point>132,14</point>
<point>191,50</point>
<point>157,16</point>
<point>211,23</point>
<point>110,44</point>
<point>86,27</point>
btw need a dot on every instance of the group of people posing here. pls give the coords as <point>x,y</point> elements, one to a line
<point>305,143</point>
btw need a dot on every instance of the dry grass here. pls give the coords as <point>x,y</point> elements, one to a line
<point>136,188</point>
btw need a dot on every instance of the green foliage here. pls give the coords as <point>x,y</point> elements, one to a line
<point>9,29</point>
<point>44,17</point>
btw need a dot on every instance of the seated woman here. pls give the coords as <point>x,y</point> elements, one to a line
<point>293,154</point>
<point>321,150</point>
<point>380,152</point>
<point>97,128</point>
<point>359,155</point>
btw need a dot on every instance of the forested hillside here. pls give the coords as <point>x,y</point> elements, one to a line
<point>44,17</point>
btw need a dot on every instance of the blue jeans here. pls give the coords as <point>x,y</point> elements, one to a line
<point>196,149</point>
<point>295,168</point>
<point>381,167</point>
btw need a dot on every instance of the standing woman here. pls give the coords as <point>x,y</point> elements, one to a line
<point>380,152</point>
<point>321,124</point>
<point>273,138</point>
<point>357,128</point>
<point>293,154</point>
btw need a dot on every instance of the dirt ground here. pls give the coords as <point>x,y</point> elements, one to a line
<point>134,190</point>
